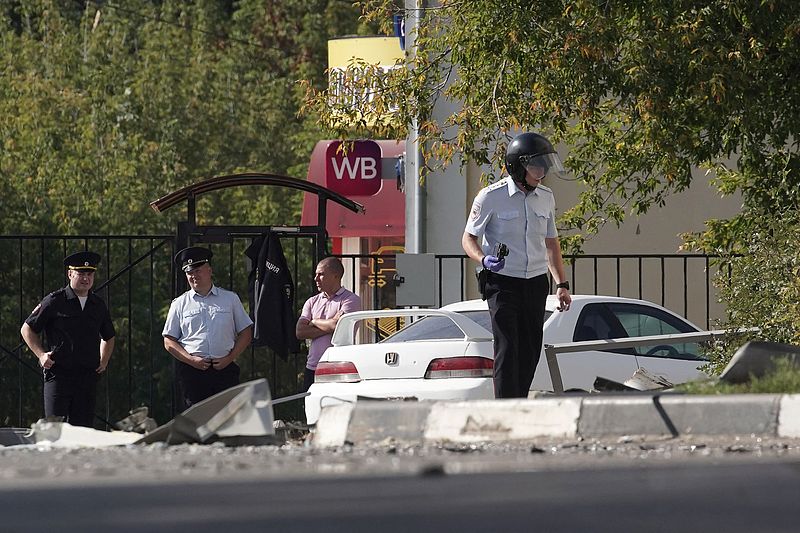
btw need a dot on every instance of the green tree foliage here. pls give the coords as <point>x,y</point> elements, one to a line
<point>644,93</point>
<point>106,106</point>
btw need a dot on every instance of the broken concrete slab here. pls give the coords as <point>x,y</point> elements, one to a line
<point>240,415</point>
<point>758,358</point>
<point>64,435</point>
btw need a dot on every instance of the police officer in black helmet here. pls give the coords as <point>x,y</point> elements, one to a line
<point>79,339</point>
<point>518,211</point>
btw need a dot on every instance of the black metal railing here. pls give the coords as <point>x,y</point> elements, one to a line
<point>136,279</point>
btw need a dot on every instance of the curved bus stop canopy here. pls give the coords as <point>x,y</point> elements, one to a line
<point>252,178</point>
<point>191,192</point>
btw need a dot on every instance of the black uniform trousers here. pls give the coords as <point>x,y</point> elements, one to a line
<point>308,379</point>
<point>516,306</point>
<point>71,394</point>
<point>199,384</point>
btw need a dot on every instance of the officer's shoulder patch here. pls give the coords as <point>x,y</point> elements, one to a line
<point>545,189</point>
<point>56,293</point>
<point>476,211</point>
<point>497,185</point>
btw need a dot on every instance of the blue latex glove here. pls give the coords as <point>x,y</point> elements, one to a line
<point>493,263</point>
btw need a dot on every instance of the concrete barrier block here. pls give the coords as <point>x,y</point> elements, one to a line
<point>388,421</point>
<point>673,415</point>
<point>789,416</point>
<point>332,424</point>
<point>502,420</point>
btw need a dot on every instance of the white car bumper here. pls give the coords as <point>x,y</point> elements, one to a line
<point>325,394</point>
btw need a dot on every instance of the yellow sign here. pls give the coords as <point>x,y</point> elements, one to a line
<point>350,62</point>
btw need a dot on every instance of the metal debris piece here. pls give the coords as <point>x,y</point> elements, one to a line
<point>643,380</point>
<point>15,436</point>
<point>137,421</point>
<point>241,415</point>
<point>602,384</point>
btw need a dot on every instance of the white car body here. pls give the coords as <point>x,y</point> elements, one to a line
<point>395,368</point>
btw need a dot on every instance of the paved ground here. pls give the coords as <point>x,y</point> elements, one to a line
<point>32,466</point>
<point>664,498</point>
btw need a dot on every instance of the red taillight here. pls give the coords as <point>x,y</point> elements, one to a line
<point>459,367</point>
<point>336,372</point>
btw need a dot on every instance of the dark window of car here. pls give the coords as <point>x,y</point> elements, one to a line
<point>641,321</point>
<point>593,325</point>
<point>617,320</point>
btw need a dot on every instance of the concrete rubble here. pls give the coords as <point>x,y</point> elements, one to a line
<point>241,415</point>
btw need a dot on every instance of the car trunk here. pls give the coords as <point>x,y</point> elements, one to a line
<point>396,360</point>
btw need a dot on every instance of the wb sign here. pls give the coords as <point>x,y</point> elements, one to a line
<point>357,173</point>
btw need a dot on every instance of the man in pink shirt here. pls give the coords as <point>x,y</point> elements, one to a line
<point>322,311</point>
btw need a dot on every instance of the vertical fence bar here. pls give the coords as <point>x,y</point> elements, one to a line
<point>150,320</point>
<point>463,271</point>
<point>708,293</point>
<point>441,281</point>
<point>20,379</point>
<point>685,286</point>
<point>640,277</point>
<point>572,266</point>
<point>41,267</point>
<point>130,328</point>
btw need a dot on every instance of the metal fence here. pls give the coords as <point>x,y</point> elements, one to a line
<point>136,279</point>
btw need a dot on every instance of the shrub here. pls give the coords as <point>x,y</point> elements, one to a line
<point>785,379</point>
<point>760,287</point>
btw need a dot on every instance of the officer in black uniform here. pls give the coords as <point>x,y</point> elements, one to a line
<point>519,212</point>
<point>79,340</point>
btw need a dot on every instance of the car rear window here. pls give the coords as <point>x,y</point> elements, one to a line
<point>438,328</point>
<point>442,328</point>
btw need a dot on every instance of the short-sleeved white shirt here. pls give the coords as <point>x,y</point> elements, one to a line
<point>206,325</point>
<point>504,213</point>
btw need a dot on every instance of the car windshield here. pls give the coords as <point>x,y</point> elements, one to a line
<point>441,327</point>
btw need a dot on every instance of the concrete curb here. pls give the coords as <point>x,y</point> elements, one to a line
<point>663,415</point>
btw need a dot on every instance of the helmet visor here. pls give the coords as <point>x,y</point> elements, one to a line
<point>550,163</point>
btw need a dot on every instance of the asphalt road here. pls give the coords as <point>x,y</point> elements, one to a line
<point>727,498</point>
<point>461,491</point>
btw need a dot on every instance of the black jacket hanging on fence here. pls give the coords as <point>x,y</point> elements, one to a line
<point>271,293</point>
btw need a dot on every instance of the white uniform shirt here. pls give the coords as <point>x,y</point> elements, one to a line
<point>206,325</point>
<point>503,213</point>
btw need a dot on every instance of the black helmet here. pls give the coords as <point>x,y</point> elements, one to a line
<point>531,150</point>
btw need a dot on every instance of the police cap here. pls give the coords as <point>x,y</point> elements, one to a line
<point>82,261</point>
<point>192,257</point>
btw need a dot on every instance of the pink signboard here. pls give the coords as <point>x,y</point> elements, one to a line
<point>358,173</point>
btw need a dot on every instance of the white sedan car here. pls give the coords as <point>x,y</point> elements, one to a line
<point>447,354</point>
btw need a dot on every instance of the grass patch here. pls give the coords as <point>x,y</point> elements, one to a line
<point>785,379</point>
